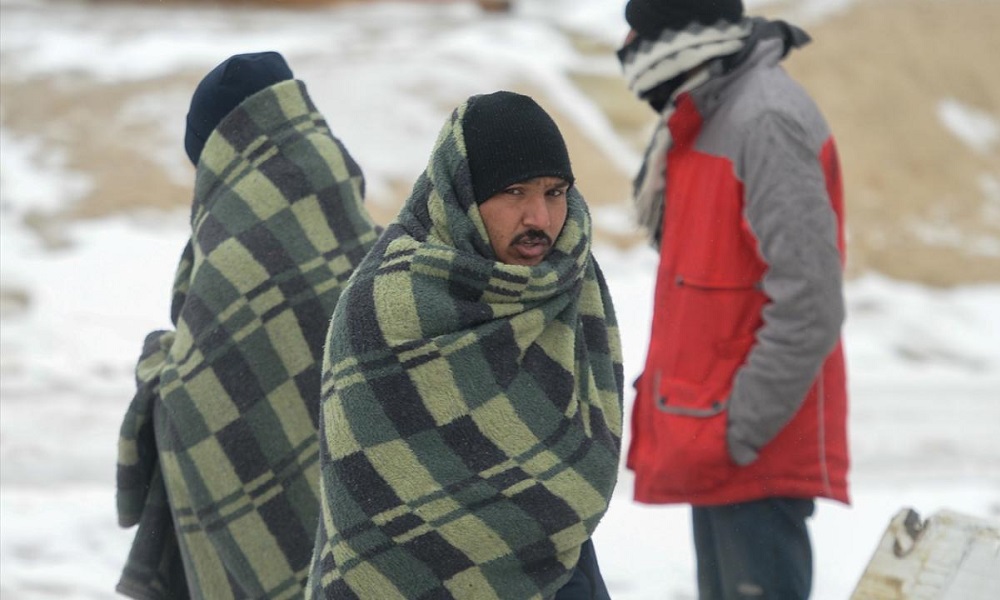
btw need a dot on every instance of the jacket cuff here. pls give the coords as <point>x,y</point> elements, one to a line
<point>741,452</point>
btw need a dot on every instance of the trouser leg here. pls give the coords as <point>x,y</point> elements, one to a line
<point>586,583</point>
<point>759,550</point>
<point>706,555</point>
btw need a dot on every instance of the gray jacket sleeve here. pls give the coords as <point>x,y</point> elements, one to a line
<point>789,211</point>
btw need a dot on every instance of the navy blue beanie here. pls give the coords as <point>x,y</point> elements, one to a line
<point>509,138</point>
<point>226,87</point>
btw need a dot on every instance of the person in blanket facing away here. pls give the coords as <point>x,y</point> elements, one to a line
<point>218,457</point>
<point>472,382</point>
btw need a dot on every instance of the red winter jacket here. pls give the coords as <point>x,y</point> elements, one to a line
<point>743,395</point>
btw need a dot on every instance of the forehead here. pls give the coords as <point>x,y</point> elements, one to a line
<point>544,181</point>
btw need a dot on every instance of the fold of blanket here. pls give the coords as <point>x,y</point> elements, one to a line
<point>471,410</point>
<point>218,458</point>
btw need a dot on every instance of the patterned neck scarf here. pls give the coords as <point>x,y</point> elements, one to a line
<point>655,72</point>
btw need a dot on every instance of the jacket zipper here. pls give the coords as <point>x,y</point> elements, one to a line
<point>661,403</point>
<point>821,416</point>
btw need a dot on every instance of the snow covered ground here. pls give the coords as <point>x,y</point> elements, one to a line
<point>924,363</point>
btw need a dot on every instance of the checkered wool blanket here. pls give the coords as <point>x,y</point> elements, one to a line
<point>471,410</point>
<point>218,456</point>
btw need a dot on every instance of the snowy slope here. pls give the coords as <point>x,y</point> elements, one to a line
<point>924,363</point>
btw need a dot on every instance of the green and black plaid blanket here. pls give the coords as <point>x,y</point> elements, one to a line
<point>471,410</point>
<point>218,456</point>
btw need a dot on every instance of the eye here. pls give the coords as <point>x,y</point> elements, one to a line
<point>557,192</point>
<point>514,191</point>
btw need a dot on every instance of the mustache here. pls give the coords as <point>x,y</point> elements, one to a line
<point>532,236</point>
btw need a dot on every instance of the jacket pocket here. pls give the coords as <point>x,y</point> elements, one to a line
<point>709,323</point>
<point>691,428</point>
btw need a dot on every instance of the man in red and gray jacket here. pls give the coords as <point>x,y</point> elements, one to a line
<point>741,409</point>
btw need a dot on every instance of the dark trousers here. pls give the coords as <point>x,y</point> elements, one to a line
<point>586,582</point>
<point>757,549</point>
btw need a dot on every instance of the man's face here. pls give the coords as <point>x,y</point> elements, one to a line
<point>524,220</point>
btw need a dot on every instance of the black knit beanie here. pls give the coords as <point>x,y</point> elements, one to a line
<point>224,88</point>
<point>650,17</point>
<point>510,138</point>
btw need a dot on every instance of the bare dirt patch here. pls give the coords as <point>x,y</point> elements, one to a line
<point>84,120</point>
<point>917,204</point>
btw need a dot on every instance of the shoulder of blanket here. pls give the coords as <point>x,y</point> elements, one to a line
<point>392,245</point>
<point>286,101</point>
<point>283,107</point>
<point>281,117</point>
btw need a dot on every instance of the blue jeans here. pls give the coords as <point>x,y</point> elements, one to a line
<point>586,582</point>
<point>757,549</point>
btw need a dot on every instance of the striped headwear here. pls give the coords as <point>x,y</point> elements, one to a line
<point>651,64</point>
<point>471,410</point>
<point>218,459</point>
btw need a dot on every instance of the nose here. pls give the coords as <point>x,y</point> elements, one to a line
<point>536,211</point>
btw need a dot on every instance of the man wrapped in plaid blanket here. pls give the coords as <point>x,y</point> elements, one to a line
<point>218,456</point>
<point>472,378</point>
